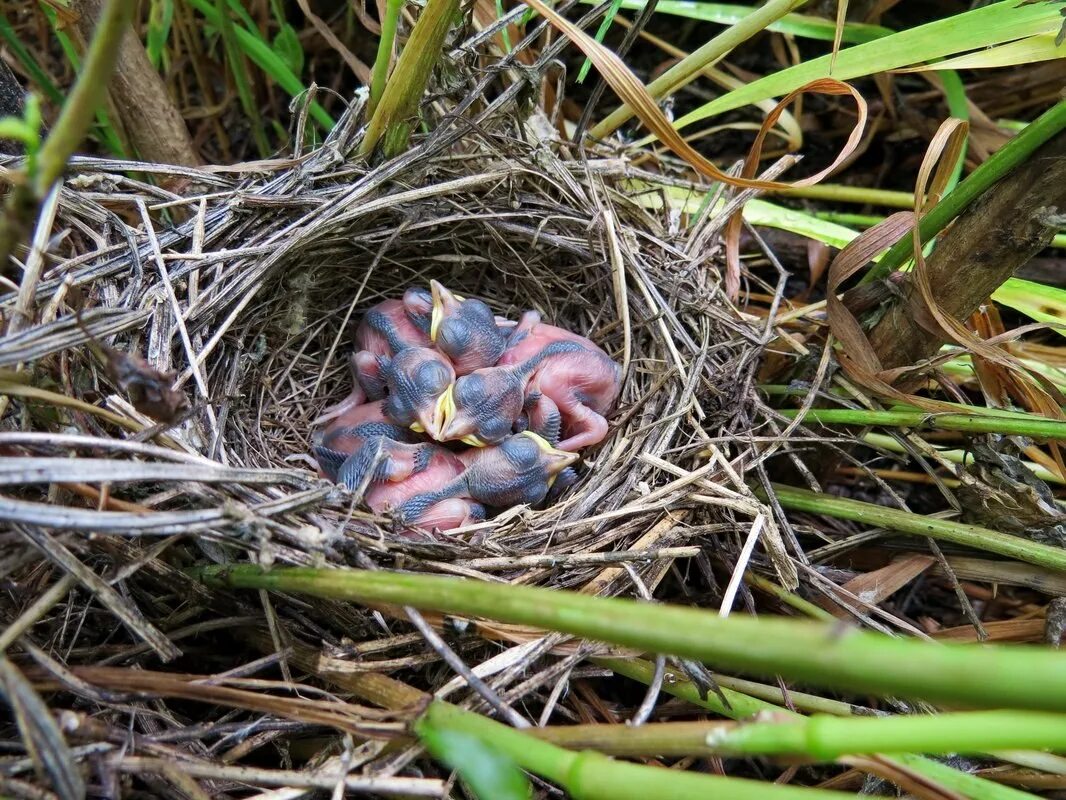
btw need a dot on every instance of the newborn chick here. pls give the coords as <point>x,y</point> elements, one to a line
<point>519,470</point>
<point>562,382</point>
<point>363,440</point>
<point>466,330</point>
<point>385,330</point>
<point>442,467</point>
<point>416,380</point>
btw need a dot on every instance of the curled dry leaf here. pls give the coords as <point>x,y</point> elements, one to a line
<point>632,92</point>
<point>751,163</point>
<point>150,391</point>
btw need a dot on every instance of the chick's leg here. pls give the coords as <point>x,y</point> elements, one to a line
<point>585,426</point>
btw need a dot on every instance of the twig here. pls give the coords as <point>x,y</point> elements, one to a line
<point>452,660</point>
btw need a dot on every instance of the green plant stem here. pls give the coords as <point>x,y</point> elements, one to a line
<point>1009,156</point>
<point>689,68</point>
<point>824,737</point>
<point>380,73</point>
<point>837,193</point>
<point>814,652</point>
<point>970,785</point>
<point>1041,555</point>
<point>239,71</point>
<point>70,128</point>
<point>403,91</point>
<point>592,776</point>
<point>746,698</point>
<point>790,599</point>
<point>1040,428</point>
<point>955,456</point>
<point>86,96</point>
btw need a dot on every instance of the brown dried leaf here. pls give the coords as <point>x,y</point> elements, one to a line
<point>150,390</point>
<point>632,92</point>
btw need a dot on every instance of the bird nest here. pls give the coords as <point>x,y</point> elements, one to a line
<point>245,286</point>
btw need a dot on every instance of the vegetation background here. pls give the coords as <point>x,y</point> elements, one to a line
<point>823,551</point>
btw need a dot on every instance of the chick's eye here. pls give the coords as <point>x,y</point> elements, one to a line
<point>521,450</point>
<point>433,377</point>
<point>467,390</point>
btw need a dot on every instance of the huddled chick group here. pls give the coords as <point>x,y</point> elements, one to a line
<point>435,368</point>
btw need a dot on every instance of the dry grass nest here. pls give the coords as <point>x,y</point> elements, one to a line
<point>269,268</point>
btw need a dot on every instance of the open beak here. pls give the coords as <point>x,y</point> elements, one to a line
<point>557,460</point>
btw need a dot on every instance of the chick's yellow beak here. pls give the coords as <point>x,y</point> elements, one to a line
<point>443,298</point>
<point>436,314</point>
<point>558,460</point>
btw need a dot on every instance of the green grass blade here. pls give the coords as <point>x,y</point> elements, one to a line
<point>1030,50</point>
<point>160,18</point>
<point>690,67</point>
<point>29,63</point>
<point>261,54</point>
<point>819,653</point>
<point>801,25</point>
<point>241,79</point>
<point>1035,300</point>
<point>991,25</point>
<point>601,32</point>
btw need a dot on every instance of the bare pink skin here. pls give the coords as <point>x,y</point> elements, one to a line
<point>444,466</point>
<point>582,387</point>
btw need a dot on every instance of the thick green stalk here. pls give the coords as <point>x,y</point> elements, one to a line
<point>403,91</point>
<point>823,654</point>
<point>74,120</point>
<point>1009,156</point>
<point>380,73</point>
<point>689,68</point>
<point>825,738</point>
<point>944,530</point>
<point>591,776</point>
<point>1038,427</point>
<point>970,785</point>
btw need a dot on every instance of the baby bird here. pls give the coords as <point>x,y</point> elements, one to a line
<point>385,329</point>
<point>416,380</point>
<point>561,382</point>
<point>520,470</point>
<point>442,467</point>
<point>466,330</point>
<point>388,328</point>
<point>362,441</point>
